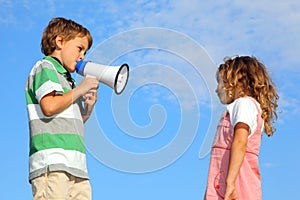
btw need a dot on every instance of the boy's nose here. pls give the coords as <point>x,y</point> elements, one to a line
<point>81,57</point>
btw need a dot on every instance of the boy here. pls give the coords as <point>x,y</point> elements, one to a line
<point>57,154</point>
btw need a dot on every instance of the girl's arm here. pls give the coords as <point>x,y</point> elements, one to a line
<point>237,153</point>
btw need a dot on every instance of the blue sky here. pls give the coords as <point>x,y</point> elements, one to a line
<point>151,141</point>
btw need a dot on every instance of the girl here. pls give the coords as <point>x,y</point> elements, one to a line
<point>246,87</point>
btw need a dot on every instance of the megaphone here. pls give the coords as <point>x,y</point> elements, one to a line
<point>115,77</point>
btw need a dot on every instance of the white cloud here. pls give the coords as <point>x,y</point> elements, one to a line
<point>264,28</point>
<point>267,29</point>
<point>166,57</point>
<point>6,12</point>
<point>268,165</point>
<point>289,105</point>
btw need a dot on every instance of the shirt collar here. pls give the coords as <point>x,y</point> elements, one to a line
<point>56,64</point>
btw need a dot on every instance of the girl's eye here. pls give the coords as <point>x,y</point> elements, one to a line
<point>80,48</point>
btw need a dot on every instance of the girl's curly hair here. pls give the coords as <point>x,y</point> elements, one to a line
<point>246,76</point>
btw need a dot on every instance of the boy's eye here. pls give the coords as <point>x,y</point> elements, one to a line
<point>80,48</point>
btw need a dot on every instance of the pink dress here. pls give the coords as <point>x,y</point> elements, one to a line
<point>248,183</point>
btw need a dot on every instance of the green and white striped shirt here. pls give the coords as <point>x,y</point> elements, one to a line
<point>56,142</point>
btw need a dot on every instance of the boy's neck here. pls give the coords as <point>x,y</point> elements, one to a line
<point>56,59</point>
<point>56,56</point>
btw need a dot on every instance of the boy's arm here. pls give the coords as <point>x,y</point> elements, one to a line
<point>237,153</point>
<point>52,104</point>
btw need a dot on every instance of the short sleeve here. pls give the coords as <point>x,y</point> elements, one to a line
<point>46,81</point>
<point>243,110</point>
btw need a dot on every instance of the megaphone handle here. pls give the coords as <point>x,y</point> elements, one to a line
<point>90,76</point>
<point>83,109</point>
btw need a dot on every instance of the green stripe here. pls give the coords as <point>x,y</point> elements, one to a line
<point>44,76</point>
<point>39,79</point>
<point>30,98</point>
<point>66,90</point>
<point>56,64</point>
<point>49,141</point>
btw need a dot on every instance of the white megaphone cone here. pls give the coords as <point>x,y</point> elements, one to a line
<point>115,77</point>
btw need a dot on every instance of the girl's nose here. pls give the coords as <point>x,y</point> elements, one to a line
<point>216,90</point>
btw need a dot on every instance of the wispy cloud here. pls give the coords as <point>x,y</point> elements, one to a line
<point>268,165</point>
<point>288,108</point>
<point>267,29</point>
<point>163,57</point>
<point>24,14</point>
<point>270,30</point>
<point>6,12</point>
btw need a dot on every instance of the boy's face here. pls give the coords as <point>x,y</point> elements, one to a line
<point>72,51</point>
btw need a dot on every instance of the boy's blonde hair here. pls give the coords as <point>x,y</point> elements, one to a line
<point>246,76</point>
<point>65,28</point>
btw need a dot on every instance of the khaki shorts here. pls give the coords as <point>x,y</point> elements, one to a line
<point>60,186</point>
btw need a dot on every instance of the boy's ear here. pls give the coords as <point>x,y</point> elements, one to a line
<point>59,41</point>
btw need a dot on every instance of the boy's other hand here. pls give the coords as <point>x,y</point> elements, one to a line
<point>87,85</point>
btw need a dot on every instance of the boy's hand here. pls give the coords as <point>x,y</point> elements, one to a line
<point>90,99</point>
<point>86,85</point>
<point>88,90</point>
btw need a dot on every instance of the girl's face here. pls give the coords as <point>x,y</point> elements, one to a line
<point>222,92</point>
<point>72,51</point>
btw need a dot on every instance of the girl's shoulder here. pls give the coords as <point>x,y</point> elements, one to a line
<point>244,103</point>
<point>246,110</point>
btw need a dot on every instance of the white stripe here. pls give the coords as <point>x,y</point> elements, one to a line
<point>32,72</point>
<point>49,62</point>
<point>38,63</point>
<point>35,112</point>
<point>73,159</point>
<point>47,87</point>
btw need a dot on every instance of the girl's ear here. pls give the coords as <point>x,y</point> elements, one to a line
<point>59,41</point>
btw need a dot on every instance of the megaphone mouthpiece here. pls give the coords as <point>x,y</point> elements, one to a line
<point>113,76</point>
<point>80,67</point>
